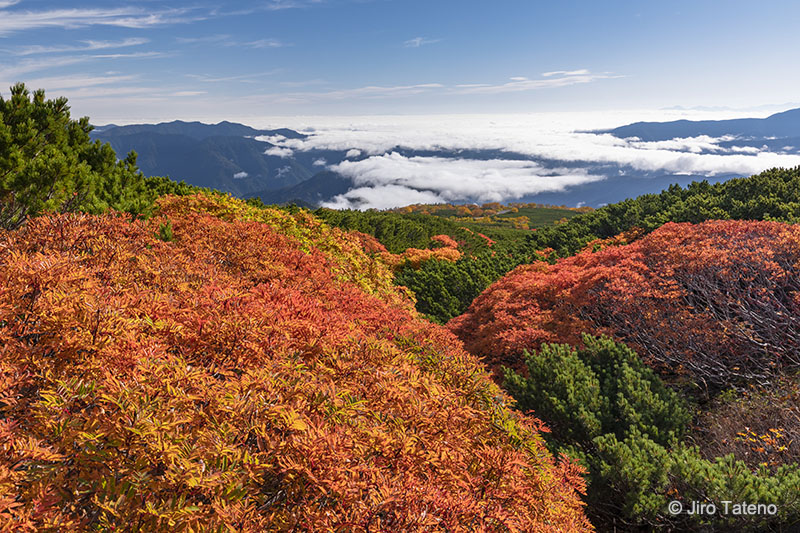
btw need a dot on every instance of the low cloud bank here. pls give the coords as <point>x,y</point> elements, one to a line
<point>386,178</point>
<point>393,179</point>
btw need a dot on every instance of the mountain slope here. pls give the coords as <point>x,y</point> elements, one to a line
<point>314,191</point>
<point>196,130</point>
<point>231,164</point>
<point>222,156</point>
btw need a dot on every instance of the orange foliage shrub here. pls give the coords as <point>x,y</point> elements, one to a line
<point>718,301</point>
<point>416,257</point>
<point>246,377</point>
<point>413,256</point>
<point>489,241</point>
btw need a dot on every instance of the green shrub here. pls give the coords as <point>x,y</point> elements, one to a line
<point>600,389</point>
<point>49,164</point>
<point>613,414</point>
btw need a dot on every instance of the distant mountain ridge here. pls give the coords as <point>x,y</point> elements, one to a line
<point>196,130</point>
<point>785,124</point>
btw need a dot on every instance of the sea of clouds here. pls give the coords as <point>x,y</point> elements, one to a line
<point>525,151</point>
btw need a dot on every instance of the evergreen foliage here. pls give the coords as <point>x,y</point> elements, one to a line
<point>608,409</point>
<point>398,232</point>
<point>443,288</point>
<point>601,388</point>
<point>48,163</point>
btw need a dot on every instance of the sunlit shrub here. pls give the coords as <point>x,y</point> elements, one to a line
<point>254,372</point>
<point>718,302</point>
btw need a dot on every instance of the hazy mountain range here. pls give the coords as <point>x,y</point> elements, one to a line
<point>344,170</point>
<point>783,126</point>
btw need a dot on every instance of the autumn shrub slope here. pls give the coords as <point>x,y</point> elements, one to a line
<point>224,368</point>
<point>716,301</point>
<point>715,308</point>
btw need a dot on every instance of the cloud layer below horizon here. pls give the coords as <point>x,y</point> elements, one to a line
<point>384,177</point>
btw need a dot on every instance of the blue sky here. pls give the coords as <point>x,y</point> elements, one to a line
<point>151,60</point>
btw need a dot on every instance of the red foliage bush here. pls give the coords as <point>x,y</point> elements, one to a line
<point>241,377</point>
<point>718,301</point>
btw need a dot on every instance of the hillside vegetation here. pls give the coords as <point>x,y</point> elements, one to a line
<point>445,290</point>
<point>245,370</point>
<point>713,309</point>
<point>176,360</point>
<point>635,437</point>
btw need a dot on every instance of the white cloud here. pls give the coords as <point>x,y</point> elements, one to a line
<point>353,153</point>
<point>244,78</point>
<point>382,197</point>
<point>8,3</point>
<point>275,5</point>
<point>77,81</point>
<point>303,83</point>
<point>240,175</point>
<point>279,152</point>
<point>224,39</point>
<point>262,43</point>
<point>515,84</point>
<point>702,143</point>
<point>135,55</point>
<point>552,79</point>
<point>371,91</point>
<point>98,91</point>
<point>453,180</point>
<point>220,37</point>
<point>28,65</point>
<point>71,18</point>
<point>320,162</point>
<point>272,139</point>
<point>579,72</point>
<point>86,46</point>
<point>419,41</point>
